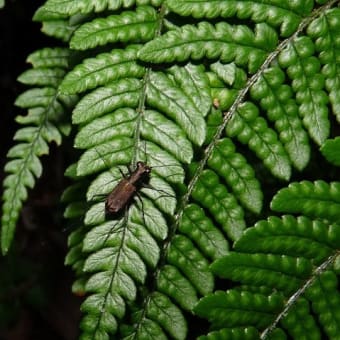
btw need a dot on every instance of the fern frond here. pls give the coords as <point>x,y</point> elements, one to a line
<point>307,82</point>
<point>330,150</point>
<point>297,329</point>
<point>107,133</point>
<point>167,97</point>
<point>314,199</point>
<point>50,57</point>
<point>60,29</point>
<point>301,237</point>
<point>69,8</point>
<point>235,309</point>
<point>160,317</point>
<point>276,99</point>
<point>171,282</point>
<point>249,333</point>
<point>285,14</point>
<point>203,232</point>
<point>130,26</point>
<point>325,32</point>
<point>144,270</point>
<point>288,256</point>
<point>282,272</point>
<point>237,173</point>
<point>182,254</point>
<point>251,129</point>
<point>44,125</point>
<point>212,195</point>
<point>223,41</point>
<point>325,299</point>
<point>101,70</point>
<point>121,93</point>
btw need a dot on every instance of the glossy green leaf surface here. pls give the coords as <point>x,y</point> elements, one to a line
<point>314,199</point>
<point>223,41</point>
<point>330,150</point>
<point>130,26</point>
<point>284,14</point>
<point>223,102</point>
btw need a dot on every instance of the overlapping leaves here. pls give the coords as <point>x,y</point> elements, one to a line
<point>133,110</point>
<point>284,266</point>
<point>109,117</point>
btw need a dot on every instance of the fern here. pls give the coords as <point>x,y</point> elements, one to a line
<point>223,99</point>
<point>44,124</point>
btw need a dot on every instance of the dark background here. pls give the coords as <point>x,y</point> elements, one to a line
<point>35,287</point>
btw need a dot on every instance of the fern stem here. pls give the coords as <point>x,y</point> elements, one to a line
<point>137,139</point>
<point>114,268</point>
<point>292,300</point>
<point>141,104</point>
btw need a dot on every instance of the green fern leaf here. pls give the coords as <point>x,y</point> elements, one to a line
<point>184,255</point>
<point>300,330</point>
<point>168,98</point>
<point>148,329</point>
<point>164,197</point>
<point>314,199</point>
<point>203,232</point>
<point>228,43</point>
<point>300,237</point>
<point>275,98</point>
<point>137,239</point>
<point>114,266</point>
<point>210,193</point>
<point>69,8</point>
<point>172,283</point>
<point>235,309</point>
<point>160,317</point>
<point>121,122</point>
<point>155,127</point>
<point>122,93</point>
<point>325,32</point>
<point>248,333</point>
<point>325,299</point>
<point>147,264</point>
<point>42,77</point>
<point>230,74</point>
<point>101,70</point>
<point>161,312</point>
<point>308,243</point>
<point>194,83</point>
<point>330,150</point>
<point>59,29</point>
<point>137,26</point>
<point>238,174</point>
<point>284,14</point>
<point>282,272</point>
<point>116,151</point>
<point>308,83</point>
<point>253,130</point>
<point>45,16</point>
<point>50,57</point>
<point>43,119</point>
<point>162,162</point>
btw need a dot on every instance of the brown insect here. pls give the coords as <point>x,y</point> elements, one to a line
<point>120,196</point>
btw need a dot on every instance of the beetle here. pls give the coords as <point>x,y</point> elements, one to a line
<point>124,191</point>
